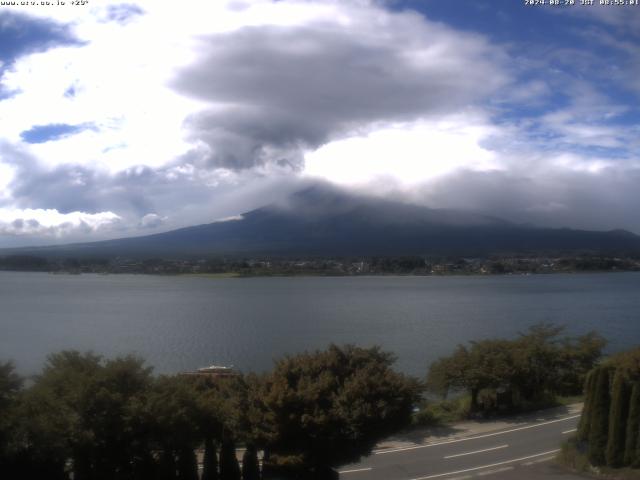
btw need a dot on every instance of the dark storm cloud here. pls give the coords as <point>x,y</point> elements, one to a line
<point>170,197</point>
<point>278,91</point>
<point>603,200</point>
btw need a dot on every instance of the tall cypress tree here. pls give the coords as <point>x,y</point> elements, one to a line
<point>250,466</point>
<point>585,418</point>
<point>210,461</point>
<point>599,424</point>
<point>167,470</point>
<point>229,468</point>
<point>632,445</point>
<point>187,464</point>
<point>618,414</point>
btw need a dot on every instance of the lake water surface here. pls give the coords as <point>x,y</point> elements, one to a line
<point>181,323</point>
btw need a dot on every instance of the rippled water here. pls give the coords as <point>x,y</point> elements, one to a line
<point>180,323</point>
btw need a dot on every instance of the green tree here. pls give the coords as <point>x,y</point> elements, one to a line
<point>488,364</point>
<point>585,418</point>
<point>83,408</point>
<point>618,416</point>
<point>229,467</point>
<point>210,461</point>
<point>330,407</point>
<point>599,422</point>
<point>632,445</point>
<point>539,364</point>
<point>10,385</point>
<point>171,416</point>
<point>577,357</point>
<point>187,464</point>
<point>250,466</point>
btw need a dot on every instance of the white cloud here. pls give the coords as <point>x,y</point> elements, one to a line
<point>410,153</point>
<point>52,223</point>
<point>152,220</point>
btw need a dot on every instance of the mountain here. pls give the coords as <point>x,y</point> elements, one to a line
<point>322,221</point>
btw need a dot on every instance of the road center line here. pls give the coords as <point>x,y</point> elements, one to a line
<point>493,472</point>
<point>487,466</point>
<point>427,445</point>
<point>355,470</point>
<point>477,451</point>
<point>570,431</point>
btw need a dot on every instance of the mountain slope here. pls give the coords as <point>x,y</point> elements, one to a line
<point>325,222</point>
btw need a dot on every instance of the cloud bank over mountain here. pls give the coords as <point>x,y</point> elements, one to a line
<point>125,118</point>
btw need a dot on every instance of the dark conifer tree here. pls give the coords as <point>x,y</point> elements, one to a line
<point>250,466</point>
<point>632,445</point>
<point>167,470</point>
<point>210,461</point>
<point>599,423</point>
<point>585,418</point>
<point>618,415</point>
<point>229,468</point>
<point>145,467</point>
<point>187,464</point>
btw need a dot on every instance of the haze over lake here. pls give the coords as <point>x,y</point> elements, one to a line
<point>181,323</point>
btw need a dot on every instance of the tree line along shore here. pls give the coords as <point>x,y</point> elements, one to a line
<point>86,417</point>
<point>339,266</point>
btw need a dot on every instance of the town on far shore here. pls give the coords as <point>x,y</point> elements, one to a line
<point>339,266</point>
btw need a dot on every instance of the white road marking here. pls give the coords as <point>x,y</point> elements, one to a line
<point>497,470</point>
<point>477,451</point>
<point>570,431</point>
<point>483,467</point>
<point>533,462</point>
<point>466,439</point>
<point>356,470</point>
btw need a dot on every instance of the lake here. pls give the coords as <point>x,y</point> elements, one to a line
<point>182,323</point>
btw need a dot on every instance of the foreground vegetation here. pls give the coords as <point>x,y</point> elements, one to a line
<point>609,431</point>
<point>531,371</point>
<point>112,419</point>
<point>91,418</point>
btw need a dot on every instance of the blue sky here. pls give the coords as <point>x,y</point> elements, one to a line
<point>128,118</point>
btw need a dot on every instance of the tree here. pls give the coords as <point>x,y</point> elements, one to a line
<point>632,446</point>
<point>536,365</point>
<point>599,422</point>
<point>187,464</point>
<point>83,408</point>
<point>488,364</point>
<point>330,407</point>
<point>577,357</point>
<point>585,418</point>
<point>10,385</point>
<point>171,415</point>
<point>168,468</point>
<point>250,466</point>
<point>210,461</point>
<point>618,416</point>
<point>229,468</point>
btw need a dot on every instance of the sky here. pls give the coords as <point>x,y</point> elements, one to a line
<point>122,119</point>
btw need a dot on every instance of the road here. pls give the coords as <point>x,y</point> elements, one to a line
<point>523,447</point>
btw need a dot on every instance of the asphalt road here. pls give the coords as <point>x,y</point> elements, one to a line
<point>516,452</point>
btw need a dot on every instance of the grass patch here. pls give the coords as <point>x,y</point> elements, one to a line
<point>443,412</point>
<point>432,414</point>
